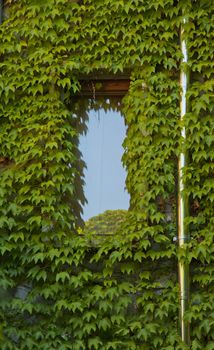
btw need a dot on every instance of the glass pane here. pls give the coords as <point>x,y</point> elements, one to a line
<point>102,151</point>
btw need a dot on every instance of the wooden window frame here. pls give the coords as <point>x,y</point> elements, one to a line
<point>107,86</point>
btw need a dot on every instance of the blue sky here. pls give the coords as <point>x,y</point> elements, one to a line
<point>102,151</point>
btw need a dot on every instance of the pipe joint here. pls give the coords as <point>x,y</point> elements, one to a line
<point>183,238</point>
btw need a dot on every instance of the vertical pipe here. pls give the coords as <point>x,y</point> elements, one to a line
<point>183,234</point>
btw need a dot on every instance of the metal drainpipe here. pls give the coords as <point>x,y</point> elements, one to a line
<point>183,233</point>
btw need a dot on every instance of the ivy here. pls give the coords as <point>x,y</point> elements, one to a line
<point>64,287</point>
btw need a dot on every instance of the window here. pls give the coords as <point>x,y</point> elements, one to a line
<point>102,134</point>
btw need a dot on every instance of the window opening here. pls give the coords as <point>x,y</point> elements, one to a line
<point>102,150</point>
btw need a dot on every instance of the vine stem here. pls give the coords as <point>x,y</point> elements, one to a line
<point>1,11</point>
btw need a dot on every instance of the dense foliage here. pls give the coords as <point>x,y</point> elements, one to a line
<point>57,291</point>
<point>105,224</point>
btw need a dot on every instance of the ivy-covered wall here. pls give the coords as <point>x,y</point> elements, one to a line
<point>57,290</point>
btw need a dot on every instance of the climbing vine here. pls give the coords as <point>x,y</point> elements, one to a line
<point>58,289</point>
